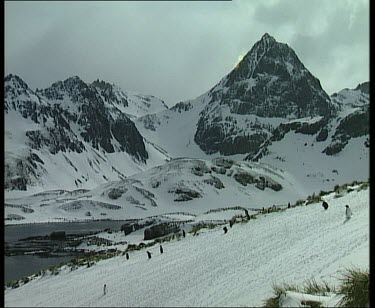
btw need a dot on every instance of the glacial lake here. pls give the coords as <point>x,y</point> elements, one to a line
<point>16,267</point>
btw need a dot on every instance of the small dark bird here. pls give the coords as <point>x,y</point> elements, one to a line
<point>230,223</point>
<point>161,249</point>
<point>247,214</point>
<point>149,254</point>
<point>325,205</point>
<point>127,256</point>
<point>225,230</point>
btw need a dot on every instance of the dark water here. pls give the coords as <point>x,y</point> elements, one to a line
<point>16,267</point>
<point>16,232</point>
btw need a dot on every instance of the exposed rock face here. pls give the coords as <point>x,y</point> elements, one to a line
<point>245,178</point>
<point>98,123</point>
<point>185,194</point>
<point>364,87</point>
<point>354,125</point>
<point>160,230</point>
<point>108,93</point>
<point>56,235</point>
<point>269,82</point>
<point>135,225</point>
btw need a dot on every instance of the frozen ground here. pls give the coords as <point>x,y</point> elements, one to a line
<point>217,269</point>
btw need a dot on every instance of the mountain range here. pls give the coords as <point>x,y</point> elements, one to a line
<point>81,131</point>
<point>269,110</point>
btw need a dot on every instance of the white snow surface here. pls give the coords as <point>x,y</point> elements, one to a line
<point>302,156</point>
<point>215,269</point>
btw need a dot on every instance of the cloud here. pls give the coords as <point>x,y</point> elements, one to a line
<point>179,50</point>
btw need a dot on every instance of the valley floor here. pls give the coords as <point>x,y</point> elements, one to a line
<point>217,269</point>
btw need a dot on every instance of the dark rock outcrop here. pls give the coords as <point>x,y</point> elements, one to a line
<point>160,230</point>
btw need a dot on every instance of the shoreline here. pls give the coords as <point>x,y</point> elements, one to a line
<point>57,222</point>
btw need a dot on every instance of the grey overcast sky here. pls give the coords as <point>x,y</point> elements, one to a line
<point>179,50</point>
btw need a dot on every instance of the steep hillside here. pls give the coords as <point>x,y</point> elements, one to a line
<point>216,269</point>
<point>70,131</point>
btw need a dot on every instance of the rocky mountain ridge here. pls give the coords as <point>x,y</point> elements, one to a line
<point>70,117</point>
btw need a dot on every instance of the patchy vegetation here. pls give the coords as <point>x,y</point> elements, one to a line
<point>202,225</point>
<point>354,289</point>
<point>185,194</point>
<point>160,230</point>
<point>214,181</point>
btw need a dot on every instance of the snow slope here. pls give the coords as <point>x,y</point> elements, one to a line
<point>180,185</point>
<point>302,156</point>
<point>215,269</point>
<point>174,129</point>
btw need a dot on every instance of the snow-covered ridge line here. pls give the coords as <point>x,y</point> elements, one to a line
<point>197,185</point>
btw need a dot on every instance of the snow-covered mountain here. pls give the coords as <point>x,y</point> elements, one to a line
<point>270,98</point>
<point>213,269</point>
<point>180,185</point>
<point>270,85</point>
<point>270,82</point>
<point>71,135</point>
<point>268,109</point>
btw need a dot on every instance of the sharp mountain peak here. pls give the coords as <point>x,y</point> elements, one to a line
<point>267,37</point>
<point>17,81</point>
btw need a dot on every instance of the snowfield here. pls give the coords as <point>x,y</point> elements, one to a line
<point>160,190</point>
<point>216,269</point>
